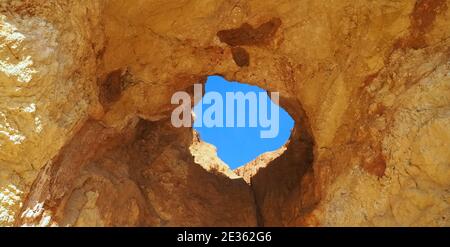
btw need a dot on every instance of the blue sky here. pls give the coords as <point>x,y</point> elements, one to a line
<point>236,146</point>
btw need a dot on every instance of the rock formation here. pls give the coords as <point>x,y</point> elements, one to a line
<point>85,134</point>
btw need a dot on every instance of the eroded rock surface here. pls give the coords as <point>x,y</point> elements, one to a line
<point>85,90</point>
<point>142,176</point>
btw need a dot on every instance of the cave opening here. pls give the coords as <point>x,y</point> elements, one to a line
<point>167,174</point>
<point>276,170</point>
<point>239,125</point>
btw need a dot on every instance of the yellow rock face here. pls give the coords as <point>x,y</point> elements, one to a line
<point>85,89</point>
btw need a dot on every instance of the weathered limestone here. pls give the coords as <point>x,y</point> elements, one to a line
<point>85,90</point>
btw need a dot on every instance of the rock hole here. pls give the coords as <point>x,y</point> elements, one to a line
<point>229,127</point>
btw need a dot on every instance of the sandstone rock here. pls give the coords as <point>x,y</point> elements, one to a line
<point>85,90</point>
